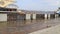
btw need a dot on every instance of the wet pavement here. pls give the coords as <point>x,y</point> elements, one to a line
<point>26,26</point>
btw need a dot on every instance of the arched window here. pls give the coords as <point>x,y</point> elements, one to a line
<point>7,9</point>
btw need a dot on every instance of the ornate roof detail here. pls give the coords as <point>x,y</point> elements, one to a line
<point>12,6</point>
<point>4,3</point>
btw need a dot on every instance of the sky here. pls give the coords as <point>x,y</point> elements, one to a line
<point>39,5</point>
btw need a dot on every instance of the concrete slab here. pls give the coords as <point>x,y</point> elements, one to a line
<point>52,30</point>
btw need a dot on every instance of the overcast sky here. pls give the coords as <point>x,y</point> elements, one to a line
<point>40,5</point>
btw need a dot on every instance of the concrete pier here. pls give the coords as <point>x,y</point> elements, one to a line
<point>49,16</point>
<point>45,16</point>
<point>28,16</point>
<point>3,17</point>
<point>33,16</point>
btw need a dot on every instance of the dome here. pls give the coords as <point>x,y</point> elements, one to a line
<point>11,6</point>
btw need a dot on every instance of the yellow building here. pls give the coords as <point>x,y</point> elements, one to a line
<point>4,3</point>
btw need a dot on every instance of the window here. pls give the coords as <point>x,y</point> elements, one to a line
<point>8,9</point>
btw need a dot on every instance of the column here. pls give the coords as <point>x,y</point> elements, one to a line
<point>45,16</point>
<point>56,15</point>
<point>48,16</point>
<point>3,17</point>
<point>28,16</point>
<point>34,16</point>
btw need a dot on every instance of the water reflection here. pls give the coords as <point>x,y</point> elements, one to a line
<point>27,25</point>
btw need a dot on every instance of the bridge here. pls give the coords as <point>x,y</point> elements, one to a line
<point>28,14</point>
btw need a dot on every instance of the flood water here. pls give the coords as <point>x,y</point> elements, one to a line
<point>26,26</point>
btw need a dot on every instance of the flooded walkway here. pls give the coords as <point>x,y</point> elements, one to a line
<point>26,26</point>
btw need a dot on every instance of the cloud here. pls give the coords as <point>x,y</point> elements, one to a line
<point>39,4</point>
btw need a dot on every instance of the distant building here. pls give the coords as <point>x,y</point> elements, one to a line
<point>58,11</point>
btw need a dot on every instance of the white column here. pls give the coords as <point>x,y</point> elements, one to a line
<point>34,16</point>
<point>3,17</point>
<point>45,16</point>
<point>56,15</point>
<point>48,16</point>
<point>28,16</point>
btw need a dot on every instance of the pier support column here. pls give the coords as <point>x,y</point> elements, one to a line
<point>56,15</point>
<point>48,16</point>
<point>3,17</point>
<point>28,16</point>
<point>34,16</point>
<point>45,16</point>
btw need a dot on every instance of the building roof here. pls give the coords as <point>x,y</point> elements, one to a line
<point>10,10</point>
<point>38,12</point>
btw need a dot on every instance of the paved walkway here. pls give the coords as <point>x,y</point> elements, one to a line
<point>52,30</point>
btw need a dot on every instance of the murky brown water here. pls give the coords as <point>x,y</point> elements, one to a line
<point>26,26</point>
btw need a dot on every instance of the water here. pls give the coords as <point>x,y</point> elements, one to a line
<point>26,26</point>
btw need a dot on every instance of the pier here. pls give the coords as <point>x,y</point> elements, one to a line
<point>25,22</point>
<point>27,15</point>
